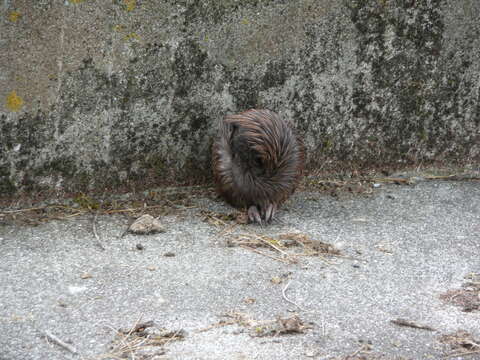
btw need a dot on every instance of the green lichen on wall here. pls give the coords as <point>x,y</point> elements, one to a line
<point>14,16</point>
<point>130,5</point>
<point>13,101</point>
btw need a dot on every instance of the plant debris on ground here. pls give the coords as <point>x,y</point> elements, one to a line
<point>462,343</point>
<point>142,341</point>
<point>157,203</point>
<point>364,183</point>
<point>282,244</point>
<point>468,297</point>
<point>221,219</point>
<point>259,328</point>
<point>166,201</point>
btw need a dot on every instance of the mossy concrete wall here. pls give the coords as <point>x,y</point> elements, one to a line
<point>103,93</point>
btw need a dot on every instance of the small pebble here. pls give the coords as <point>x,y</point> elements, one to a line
<point>146,224</point>
<point>356,266</point>
<point>169,254</point>
<point>275,280</point>
<point>140,247</point>
<point>76,289</point>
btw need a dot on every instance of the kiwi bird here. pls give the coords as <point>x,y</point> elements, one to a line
<point>258,161</point>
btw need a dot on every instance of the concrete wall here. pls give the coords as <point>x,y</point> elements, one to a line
<point>101,93</point>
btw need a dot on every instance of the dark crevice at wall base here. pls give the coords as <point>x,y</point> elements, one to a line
<point>337,171</point>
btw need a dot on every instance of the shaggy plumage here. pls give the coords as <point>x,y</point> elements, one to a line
<point>257,162</point>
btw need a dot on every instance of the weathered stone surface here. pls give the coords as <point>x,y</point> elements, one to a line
<point>105,93</point>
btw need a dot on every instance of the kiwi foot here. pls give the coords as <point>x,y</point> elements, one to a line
<point>263,216</point>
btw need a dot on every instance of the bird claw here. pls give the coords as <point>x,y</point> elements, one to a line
<point>263,217</point>
<point>254,215</point>
<point>270,212</point>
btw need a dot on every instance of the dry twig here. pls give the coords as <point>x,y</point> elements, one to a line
<point>269,242</point>
<point>221,323</point>
<point>462,354</point>
<point>285,261</point>
<point>406,323</point>
<point>59,342</point>
<point>462,342</point>
<point>287,299</point>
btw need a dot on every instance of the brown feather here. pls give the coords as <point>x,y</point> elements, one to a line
<point>257,160</point>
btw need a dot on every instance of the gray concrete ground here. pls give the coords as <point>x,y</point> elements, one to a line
<point>403,246</point>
